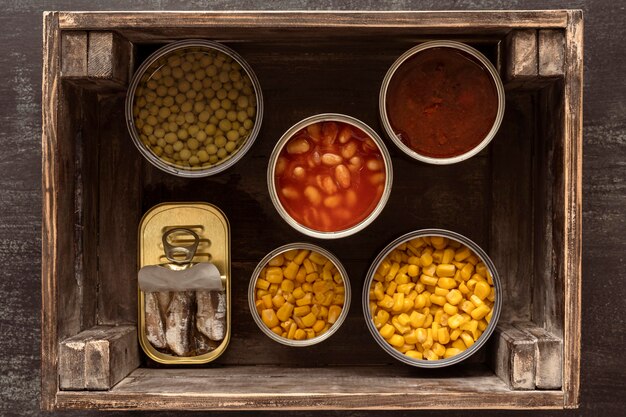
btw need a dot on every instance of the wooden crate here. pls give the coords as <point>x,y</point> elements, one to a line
<point>520,199</point>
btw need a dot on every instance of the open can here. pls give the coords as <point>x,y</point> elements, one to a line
<point>209,224</point>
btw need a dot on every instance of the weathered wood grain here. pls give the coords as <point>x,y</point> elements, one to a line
<point>119,214</point>
<point>513,357</point>
<point>74,54</point>
<point>549,356</point>
<point>520,67</point>
<point>259,387</point>
<point>98,358</point>
<point>551,48</point>
<point>572,209</point>
<point>109,59</point>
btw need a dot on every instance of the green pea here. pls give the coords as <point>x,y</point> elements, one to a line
<point>201,136</point>
<point>193,144</point>
<point>190,117</point>
<point>203,155</point>
<point>210,129</point>
<point>215,104</point>
<point>211,149</point>
<point>169,150</point>
<point>221,94</point>
<point>232,135</point>
<point>193,130</point>
<point>182,134</point>
<point>230,146</point>
<point>231,115</point>
<point>221,153</point>
<point>213,159</point>
<point>185,154</point>
<point>225,125</point>
<point>227,104</point>
<point>220,114</point>
<point>220,141</point>
<point>161,142</point>
<point>178,145</point>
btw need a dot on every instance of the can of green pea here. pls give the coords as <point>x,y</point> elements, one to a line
<point>194,108</point>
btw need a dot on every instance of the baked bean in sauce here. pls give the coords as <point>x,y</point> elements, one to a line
<point>330,176</point>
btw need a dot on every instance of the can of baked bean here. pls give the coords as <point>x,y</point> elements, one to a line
<point>194,108</point>
<point>329,176</point>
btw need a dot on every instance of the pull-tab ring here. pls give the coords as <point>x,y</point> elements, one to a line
<point>174,253</point>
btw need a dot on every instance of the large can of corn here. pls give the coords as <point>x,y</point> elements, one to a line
<point>194,108</point>
<point>299,294</point>
<point>432,298</point>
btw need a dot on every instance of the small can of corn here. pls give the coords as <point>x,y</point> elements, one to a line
<point>194,108</point>
<point>432,298</point>
<point>299,294</point>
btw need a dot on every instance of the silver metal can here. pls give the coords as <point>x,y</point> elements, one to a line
<point>382,101</point>
<point>464,354</point>
<point>333,328</point>
<point>221,165</point>
<point>324,118</point>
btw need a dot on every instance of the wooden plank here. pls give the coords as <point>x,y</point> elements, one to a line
<point>265,387</point>
<point>520,68</point>
<point>315,19</point>
<point>52,255</point>
<point>549,356</point>
<point>572,207</point>
<point>551,47</point>
<point>98,358</point>
<point>119,214</point>
<point>109,59</point>
<point>74,54</point>
<point>513,357</point>
<point>510,236</point>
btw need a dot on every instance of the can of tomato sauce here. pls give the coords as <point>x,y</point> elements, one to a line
<point>329,176</point>
<point>441,102</point>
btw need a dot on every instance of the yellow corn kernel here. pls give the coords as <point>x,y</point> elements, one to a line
<point>300,275</point>
<point>318,258</point>
<point>462,254</point>
<point>455,321</point>
<point>406,347</point>
<point>261,293</point>
<point>437,299</point>
<point>278,330</point>
<point>471,283</point>
<point>306,300</point>
<point>338,299</point>
<point>322,286</point>
<point>429,339</point>
<point>291,270</point>
<point>492,295</point>
<point>333,313</point>
<point>388,330</point>
<point>480,312</point>
<point>439,242</point>
<point>290,298</point>
<point>260,305</point>
<point>428,280</point>
<point>273,289</point>
<point>458,344</point>
<point>478,278</point>
<point>488,316</point>
<point>301,311</point>
<point>277,260</point>
<point>403,269</point>
<point>441,291</point>
<point>278,300</point>
<point>413,270</point>
<point>269,318</point>
<point>373,307</point>
<point>383,268</point>
<point>438,348</point>
<point>417,242</point>
<point>476,301</point>
<point>428,321</point>
<point>327,275</point>
<point>405,288</point>
<point>407,305</point>
<point>396,340</point>
<point>448,257</point>
<point>445,270</point>
<point>410,337</point>
<point>430,270</point>
<point>298,321</point>
<point>274,275</point>
<point>301,256</point>
<point>381,318</point>
<point>287,286</point>
<point>420,301</point>
<point>417,319</point>
<point>454,297</point>
<point>398,302</point>
<point>426,259</point>
<point>473,259</point>
<point>467,339</point>
<point>308,266</point>
<point>450,352</point>
<point>412,295</point>
<point>404,319</point>
<point>455,334</point>
<point>482,325</point>
<point>291,333</point>
<point>392,271</point>
<point>463,288</point>
<point>414,354</point>
<point>262,284</point>
<point>391,288</point>
<point>482,290</point>
<point>309,320</point>
<point>399,327</point>
<point>470,326</point>
<point>446,283</point>
<point>386,302</point>
<point>467,271</point>
<point>481,269</point>
<point>284,312</point>
<point>298,293</point>
<point>318,326</point>
<point>267,300</point>
<point>402,279</point>
<point>450,309</point>
<point>421,335</point>
<point>299,334</point>
<point>430,355</point>
<point>467,306</point>
<point>312,277</point>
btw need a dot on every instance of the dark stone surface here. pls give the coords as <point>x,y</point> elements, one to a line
<point>604,187</point>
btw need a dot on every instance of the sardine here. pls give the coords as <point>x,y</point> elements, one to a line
<point>178,324</point>
<point>154,322</point>
<point>211,314</point>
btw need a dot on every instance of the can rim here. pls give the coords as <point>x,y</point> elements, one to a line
<point>382,101</point>
<point>337,117</point>
<point>346,303</point>
<point>440,363</point>
<point>170,168</point>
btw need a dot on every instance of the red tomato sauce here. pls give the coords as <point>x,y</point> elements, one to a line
<point>442,102</point>
<point>330,176</point>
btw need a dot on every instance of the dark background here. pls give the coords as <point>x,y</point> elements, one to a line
<point>603,374</point>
